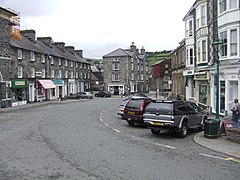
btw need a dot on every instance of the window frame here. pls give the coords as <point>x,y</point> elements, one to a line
<point>20,71</point>
<point>19,54</point>
<point>233,44</point>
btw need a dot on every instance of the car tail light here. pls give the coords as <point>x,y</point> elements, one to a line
<point>142,106</point>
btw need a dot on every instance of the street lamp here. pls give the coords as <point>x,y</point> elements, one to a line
<point>217,45</point>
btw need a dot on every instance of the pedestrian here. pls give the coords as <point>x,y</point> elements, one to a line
<point>235,113</point>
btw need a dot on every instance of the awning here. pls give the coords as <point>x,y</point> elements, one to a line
<point>47,84</point>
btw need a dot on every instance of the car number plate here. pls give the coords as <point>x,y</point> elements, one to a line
<point>130,112</point>
<point>158,123</point>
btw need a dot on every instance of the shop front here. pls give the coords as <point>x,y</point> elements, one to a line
<point>116,89</point>
<point>59,83</point>
<point>19,92</point>
<point>46,90</point>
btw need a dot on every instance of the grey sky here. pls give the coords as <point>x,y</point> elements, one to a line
<point>101,26</point>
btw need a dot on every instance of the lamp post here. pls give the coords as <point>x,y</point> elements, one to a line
<point>217,45</point>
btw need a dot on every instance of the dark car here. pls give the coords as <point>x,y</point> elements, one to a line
<point>176,115</point>
<point>134,109</point>
<point>103,94</point>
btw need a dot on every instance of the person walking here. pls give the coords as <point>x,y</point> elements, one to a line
<point>235,113</point>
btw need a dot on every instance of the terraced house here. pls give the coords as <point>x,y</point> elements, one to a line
<point>39,68</point>
<point>205,22</point>
<point>126,71</point>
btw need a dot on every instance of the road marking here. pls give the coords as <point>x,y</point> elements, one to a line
<point>116,130</point>
<point>211,156</point>
<point>167,146</point>
<point>105,124</point>
<point>232,159</point>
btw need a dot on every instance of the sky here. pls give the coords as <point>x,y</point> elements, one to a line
<point>99,27</point>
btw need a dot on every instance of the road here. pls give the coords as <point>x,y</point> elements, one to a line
<point>85,139</point>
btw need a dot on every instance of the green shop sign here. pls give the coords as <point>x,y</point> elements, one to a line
<point>17,84</point>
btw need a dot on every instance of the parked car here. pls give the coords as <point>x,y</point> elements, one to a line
<point>103,94</point>
<point>176,115</point>
<point>134,109</point>
<point>121,107</point>
<point>85,95</point>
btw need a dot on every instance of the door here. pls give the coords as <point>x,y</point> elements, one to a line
<point>31,93</point>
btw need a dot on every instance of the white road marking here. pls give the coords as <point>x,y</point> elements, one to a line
<point>116,130</point>
<point>211,156</point>
<point>105,124</point>
<point>167,146</point>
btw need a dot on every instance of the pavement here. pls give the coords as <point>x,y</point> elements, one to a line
<point>219,144</point>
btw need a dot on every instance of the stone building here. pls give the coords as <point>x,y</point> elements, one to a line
<point>126,71</point>
<point>6,24</point>
<point>178,65</point>
<point>37,69</point>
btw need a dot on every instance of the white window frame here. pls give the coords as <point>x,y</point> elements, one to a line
<point>204,50</point>
<point>43,59</point>
<point>66,62</point>
<point>133,76</point>
<point>233,42</point>
<point>115,77</point>
<point>20,71</point>
<point>19,54</point>
<point>233,4</point>
<point>190,28</point>
<point>203,15</point>
<point>76,74</point>
<point>71,63</point>
<point>59,61</point>
<point>224,38</point>
<point>115,66</point>
<point>66,74</point>
<point>222,6</point>
<point>76,64</point>
<point>33,72</point>
<point>32,56</point>
<point>72,74</point>
<point>51,59</point>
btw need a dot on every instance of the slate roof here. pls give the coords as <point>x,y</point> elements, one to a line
<point>117,53</point>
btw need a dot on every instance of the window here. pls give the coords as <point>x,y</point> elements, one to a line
<point>71,63</point>
<point>66,74</point>
<point>190,56</point>
<point>52,60</point>
<point>115,77</point>
<point>32,56</point>
<point>223,37</point>
<point>115,66</point>
<point>233,42</point>
<point>76,75</point>
<point>52,72</point>
<point>43,58</point>
<point>59,62</point>
<point>20,71</point>
<point>81,65</point>
<point>203,93</point>
<point>32,72</point>
<point>19,54</point>
<point>132,67</point>
<point>76,64</point>
<point>222,6</point>
<point>115,59</point>
<point>166,65</point>
<point>66,62</point>
<point>198,51</point>
<point>60,73</point>
<point>71,74</point>
<point>203,16</point>
<point>190,28</point>
<point>142,77</point>
<point>43,73</point>
<point>233,4</point>
<point>132,76</point>
<point>204,54</point>
<point>84,66</point>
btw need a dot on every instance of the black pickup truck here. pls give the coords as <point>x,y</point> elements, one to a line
<point>176,115</point>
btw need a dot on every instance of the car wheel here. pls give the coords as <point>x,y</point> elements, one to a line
<point>154,131</point>
<point>183,130</point>
<point>130,123</point>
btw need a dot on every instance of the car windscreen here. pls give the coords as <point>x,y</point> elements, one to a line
<point>134,104</point>
<point>161,108</point>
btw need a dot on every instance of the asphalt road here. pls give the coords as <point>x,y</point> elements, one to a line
<point>86,140</point>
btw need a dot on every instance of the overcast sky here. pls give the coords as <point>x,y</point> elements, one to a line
<point>101,26</point>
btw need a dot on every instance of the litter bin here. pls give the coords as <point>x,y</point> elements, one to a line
<point>212,128</point>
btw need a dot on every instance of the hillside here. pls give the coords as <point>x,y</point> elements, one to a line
<point>157,56</point>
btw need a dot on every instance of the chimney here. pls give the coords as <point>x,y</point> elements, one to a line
<point>46,40</point>
<point>142,50</point>
<point>132,47</point>
<point>29,34</point>
<point>70,49</point>
<point>60,45</point>
<point>79,53</point>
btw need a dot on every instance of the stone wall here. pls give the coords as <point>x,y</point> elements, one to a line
<point>233,134</point>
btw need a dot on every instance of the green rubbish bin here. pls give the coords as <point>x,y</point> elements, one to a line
<point>212,128</point>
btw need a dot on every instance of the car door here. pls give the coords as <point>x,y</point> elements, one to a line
<point>193,114</point>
